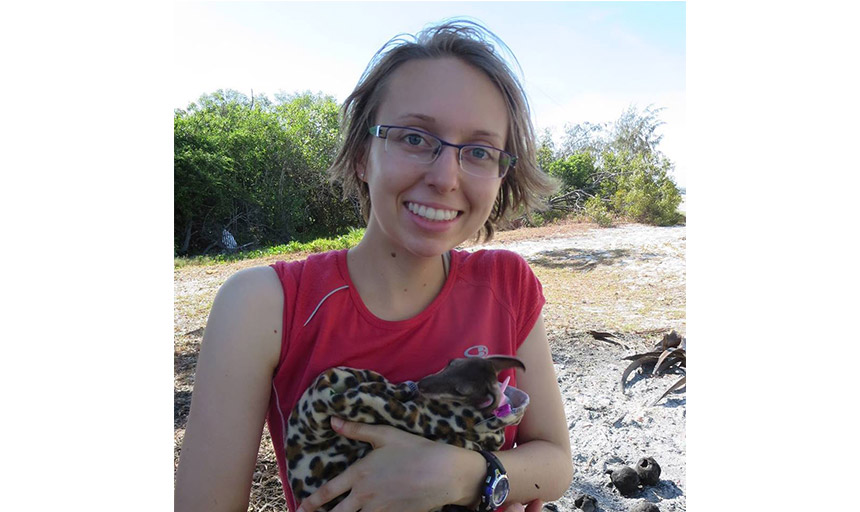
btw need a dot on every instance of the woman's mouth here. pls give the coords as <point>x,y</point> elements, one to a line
<point>434,214</point>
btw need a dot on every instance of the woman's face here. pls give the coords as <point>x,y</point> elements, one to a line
<point>459,104</point>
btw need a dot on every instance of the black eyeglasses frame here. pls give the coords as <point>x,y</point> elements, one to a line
<point>381,131</point>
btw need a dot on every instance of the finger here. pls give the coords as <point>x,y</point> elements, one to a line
<point>515,507</point>
<point>373,434</point>
<point>327,492</point>
<point>349,504</point>
<point>534,506</point>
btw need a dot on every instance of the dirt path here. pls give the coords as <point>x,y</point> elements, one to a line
<point>628,280</point>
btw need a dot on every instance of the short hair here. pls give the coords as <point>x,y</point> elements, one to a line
<point>524,185</point>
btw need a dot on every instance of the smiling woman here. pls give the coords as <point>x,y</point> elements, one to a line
<point>457,46</point>
<point>438,148</point>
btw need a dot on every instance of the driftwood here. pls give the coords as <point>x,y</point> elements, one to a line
<point>605,336</point>
<point>669,354</point>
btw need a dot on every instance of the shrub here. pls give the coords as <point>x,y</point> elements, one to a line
<point>597,211</point>
<point>644,192</point>
<point>574,172</point>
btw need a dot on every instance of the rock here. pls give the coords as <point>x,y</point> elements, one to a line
<point>585,502</point>
<point>648,471</point>
<point>645,507</point>
<point>625,480</point>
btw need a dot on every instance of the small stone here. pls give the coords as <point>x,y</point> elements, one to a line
<point>585,502</point>
<point>645,507</point>
<point>648,471</point>
<point>625,480</point>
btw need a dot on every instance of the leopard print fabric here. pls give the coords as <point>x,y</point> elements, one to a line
<point>316,453</point>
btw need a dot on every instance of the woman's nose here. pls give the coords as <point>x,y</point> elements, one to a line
<point>444,173</point>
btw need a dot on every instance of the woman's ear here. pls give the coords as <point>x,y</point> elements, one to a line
<point>361,165</point>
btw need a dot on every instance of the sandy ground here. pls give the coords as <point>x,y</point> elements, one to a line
<point>645,267</point>
<point>609,429</point>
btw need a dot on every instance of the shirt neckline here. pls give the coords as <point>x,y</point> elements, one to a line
<point>398,324</point>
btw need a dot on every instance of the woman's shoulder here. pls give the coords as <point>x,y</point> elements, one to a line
<point>253,282</point>
<point>317,266</point>
<point>501,269</point>
<point>491,259</point>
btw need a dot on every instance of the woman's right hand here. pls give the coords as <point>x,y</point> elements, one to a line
<point>240,349</point>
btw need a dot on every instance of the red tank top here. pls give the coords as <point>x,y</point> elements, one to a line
<point>488,305</point>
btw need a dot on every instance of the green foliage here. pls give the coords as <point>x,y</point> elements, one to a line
<point>574,172</point>
<point>545,150</point>
<point>256,168</point>
<point>542,218</point>
<point>615,171</point>
<point>345,241</point>
<point>584,138</point>
<point>644,192</point>
<point>597,211</point>
<point>636,133</point>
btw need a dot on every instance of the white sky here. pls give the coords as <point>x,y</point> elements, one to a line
<point>582,61</point>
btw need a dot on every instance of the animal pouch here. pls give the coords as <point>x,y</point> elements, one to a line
<point>316,453</point>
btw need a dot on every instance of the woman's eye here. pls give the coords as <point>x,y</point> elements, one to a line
<point>413,139</point>
<point>479,153</point>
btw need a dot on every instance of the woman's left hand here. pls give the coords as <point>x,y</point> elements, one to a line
<point>403,472</point>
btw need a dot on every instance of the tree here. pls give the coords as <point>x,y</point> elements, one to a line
<point>643,191</point>
<point>636,132</point>
<point>584,138</point>
<point>256,168</point>
<point>616,169</point>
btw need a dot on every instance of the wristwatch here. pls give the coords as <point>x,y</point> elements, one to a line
<point>495,487</point>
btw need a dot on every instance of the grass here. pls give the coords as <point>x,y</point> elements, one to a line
<point>346,241</point>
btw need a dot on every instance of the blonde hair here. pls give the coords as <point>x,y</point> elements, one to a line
<point>470,42</point>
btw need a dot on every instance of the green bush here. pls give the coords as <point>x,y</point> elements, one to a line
<point>256,168</point>
<point>597,211</point>
<point>645,193</point>
<point>574,172</point>
<point>618,167</point>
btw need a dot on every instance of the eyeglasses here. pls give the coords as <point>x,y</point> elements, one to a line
<point>414,145</point>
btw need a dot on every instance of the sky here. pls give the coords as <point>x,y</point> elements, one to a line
<point>580,61</point>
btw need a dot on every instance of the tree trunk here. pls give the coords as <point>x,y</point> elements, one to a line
<point>187,241</point>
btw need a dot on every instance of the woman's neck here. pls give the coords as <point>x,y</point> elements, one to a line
<point>395,285</point>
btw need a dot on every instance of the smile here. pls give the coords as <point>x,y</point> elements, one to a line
<point>431,213</point>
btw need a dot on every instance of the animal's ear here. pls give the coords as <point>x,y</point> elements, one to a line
<point>503,362</point>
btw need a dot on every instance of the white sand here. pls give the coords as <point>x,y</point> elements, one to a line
<point>608,428</point>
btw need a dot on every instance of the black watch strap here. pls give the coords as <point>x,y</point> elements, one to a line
<point>494,487</point>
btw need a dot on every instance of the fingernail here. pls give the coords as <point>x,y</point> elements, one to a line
<point>336,422</point>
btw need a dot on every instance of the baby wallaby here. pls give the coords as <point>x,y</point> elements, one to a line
<point>471,380</point>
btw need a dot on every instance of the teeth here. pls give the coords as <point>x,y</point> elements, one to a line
<point>431,213</point>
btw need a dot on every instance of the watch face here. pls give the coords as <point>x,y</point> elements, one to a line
<point>500,491</point>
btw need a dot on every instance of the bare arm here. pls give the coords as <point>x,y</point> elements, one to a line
<point>240,349</point>
<point>541,466</point>
<point>410,473</point>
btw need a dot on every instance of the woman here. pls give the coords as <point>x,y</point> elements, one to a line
<point>438,147</point>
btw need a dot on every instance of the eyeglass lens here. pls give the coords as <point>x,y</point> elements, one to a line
<point>424,148</point>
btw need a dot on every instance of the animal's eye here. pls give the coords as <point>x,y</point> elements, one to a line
<point>464,389</point>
